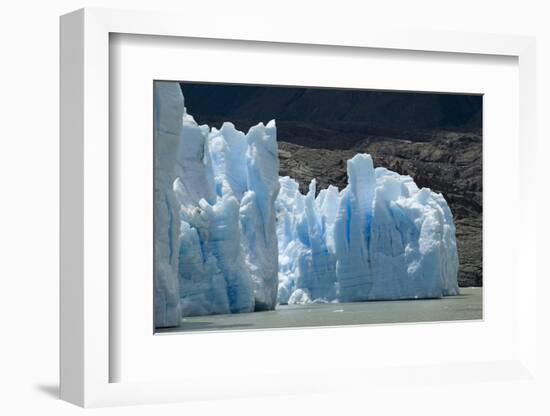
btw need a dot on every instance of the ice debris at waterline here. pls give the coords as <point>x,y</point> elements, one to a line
<point>231,236</point>
<point>379,238</point>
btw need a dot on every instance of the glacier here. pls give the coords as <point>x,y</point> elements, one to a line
<point>232,236</point>
<point>379,238</point>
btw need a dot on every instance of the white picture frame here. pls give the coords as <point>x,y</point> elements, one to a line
<point>86,352</point>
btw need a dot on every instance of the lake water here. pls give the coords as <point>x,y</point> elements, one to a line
<point>466,306</point>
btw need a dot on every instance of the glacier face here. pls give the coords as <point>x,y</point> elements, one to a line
<point>226,186</point>
<point>379,238</point>
<point>232,236</point>
<point>215,190</point>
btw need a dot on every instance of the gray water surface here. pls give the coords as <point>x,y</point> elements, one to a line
<point>466,306</point>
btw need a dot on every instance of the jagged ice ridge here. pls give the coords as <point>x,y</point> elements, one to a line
<point>379,238</point>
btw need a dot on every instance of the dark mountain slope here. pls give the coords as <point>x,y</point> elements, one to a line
<point>359,111</point>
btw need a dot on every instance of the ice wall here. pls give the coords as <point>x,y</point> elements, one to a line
<point>226,187</point>
<point>257,213</point>
<point>168,105</point>
<point>379,238</point>
<point>304,230</point>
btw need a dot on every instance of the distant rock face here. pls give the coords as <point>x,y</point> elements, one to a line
<point>447,162</point>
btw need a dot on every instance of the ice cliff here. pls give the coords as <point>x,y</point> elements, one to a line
<point>215,237</point>
<point>168,108</point>
<point>231,236</point>
<point>379,238</point>
<point>227,185</point>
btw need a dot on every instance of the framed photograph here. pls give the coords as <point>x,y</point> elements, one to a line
<point>291,212</point>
